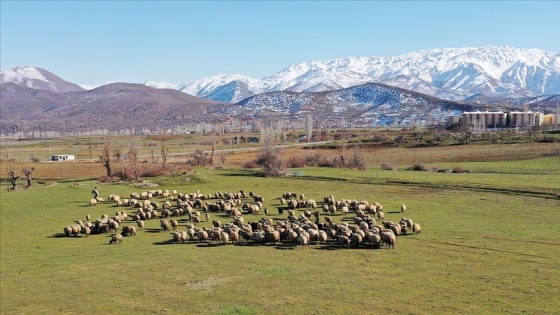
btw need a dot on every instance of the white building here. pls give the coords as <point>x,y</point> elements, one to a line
<point>62,157</point>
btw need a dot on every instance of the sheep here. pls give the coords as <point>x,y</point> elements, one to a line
<point>88,217</point>
<point>164,225</point>
<point>322,237</point>
<point>93,202</point>
<point>343,240</point>
<point>128,231</point>
<point>408,222</point>
<point>303,241</point>
<point>177,237</point>
<point>99,199</point>
<point>356,238</point>
<point>224,238</point>
<point>234,236</point>
<point>403,207</point>
<point>272,237</point>
<point>116,238</point>
<point>86,230</point>
<point>380,214</point>
<point>195,220</point>
<point>140,224</point>
<point>68,230</point>
<point>388,237</point>
<point>207,216</point>
<point>202,236</point>
<point>174,224</point>
<point>374,239</point>
<point>416,228</point>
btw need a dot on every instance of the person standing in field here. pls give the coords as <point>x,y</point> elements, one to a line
<point>95,193</point>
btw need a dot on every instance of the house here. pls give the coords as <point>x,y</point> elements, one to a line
<point>62,157</point>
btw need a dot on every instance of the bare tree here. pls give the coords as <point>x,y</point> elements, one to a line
<point>199,158</point>
<point>13,177</point>
<point>464,128</point>
<point>356,158</point>
<point>132,161</point>
<point>223,157</point>
<point>309,127</point>
<point>164,153</point>
<point>28,171</point>
<point>270,159</point>
<point>105,158</point>
<point>117,153</point>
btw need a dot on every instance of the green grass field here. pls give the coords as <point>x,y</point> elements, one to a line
<point>481,251</point>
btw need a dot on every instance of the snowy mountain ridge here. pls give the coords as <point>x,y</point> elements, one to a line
<point>451,73</point>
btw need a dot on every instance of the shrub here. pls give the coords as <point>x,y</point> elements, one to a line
<point>458,170</point>
<point>419,167</point>
<point>108,179</point>
<point>154,171</point>
<point>270,160</point>
<point>387,166</point>
<point>296,161</point>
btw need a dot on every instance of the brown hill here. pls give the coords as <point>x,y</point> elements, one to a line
<point>112,107</point>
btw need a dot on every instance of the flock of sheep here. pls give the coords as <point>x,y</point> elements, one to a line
<point>307,221</point>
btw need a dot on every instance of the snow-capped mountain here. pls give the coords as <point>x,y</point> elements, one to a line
<point>37,78</point>
<point>223,88</point>
<point>162,85</point>
<point>451,73</point>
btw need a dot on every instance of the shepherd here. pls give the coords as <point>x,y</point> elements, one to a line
<point>95,193</point>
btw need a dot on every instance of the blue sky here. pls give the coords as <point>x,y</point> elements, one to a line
<point>89,42</point>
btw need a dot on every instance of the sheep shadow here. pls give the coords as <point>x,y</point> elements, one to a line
<point>209,245</point>
<point>285,247</point>
<point>164,243</point>
<point>393,212</point>
<point>152,230</point>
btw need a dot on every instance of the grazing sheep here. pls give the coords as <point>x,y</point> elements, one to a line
<point>128,231</point>
<point>86,230</point>
<point>68,230</point>
<point>99,199</point>
<point>224,238</point>
<point>322,237</point>
<point>202,236</point>
<point>93,202</point>
<point>374,239</point>
<point>140,224</point>
<point>408,223</point>
<point>164,225</point>
<point>380,215</point>
<point>303,241</point>
<point>88,217</point>
<point>403,207</point>
<point>177,237</point>
<point>174,224</point>
<point>416,228</point>
<point>234,236</point>
<point>343,240</point>
<point>195,220</point>
<point>207,214</point>
<point>356,238</point>
<point>116,238</point>
<point>388,237</point>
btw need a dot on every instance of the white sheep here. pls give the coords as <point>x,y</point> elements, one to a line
<point>116,238</point>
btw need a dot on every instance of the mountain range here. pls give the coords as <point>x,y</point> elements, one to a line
<point>448,73</point>
<point>413,88</point>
